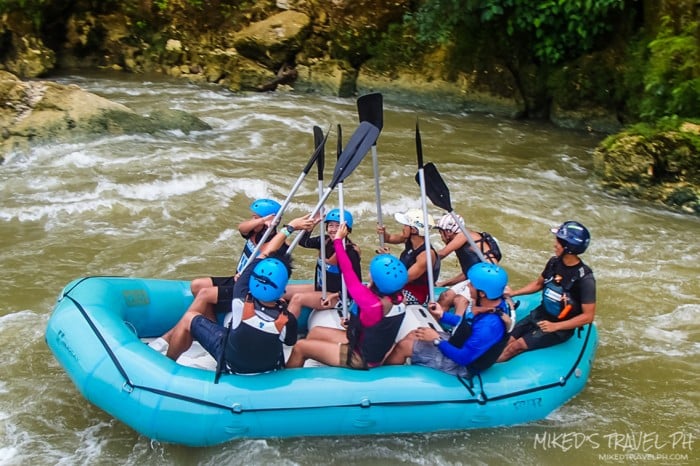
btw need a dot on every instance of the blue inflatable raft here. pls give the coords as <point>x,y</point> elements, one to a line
<point>96,331</point>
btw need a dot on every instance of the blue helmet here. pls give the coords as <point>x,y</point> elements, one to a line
<point>489,278</point>
<point>388,273</point>
<point>268,280</point>
<point>334,216</point>
<point>265,207</point>
<point>573,237</point>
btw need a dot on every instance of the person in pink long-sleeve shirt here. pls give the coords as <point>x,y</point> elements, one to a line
<point>377,314</point>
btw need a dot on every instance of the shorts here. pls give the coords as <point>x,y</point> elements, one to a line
<point>356,361</point>
<point>210,335</point>
<point>528,330</point>
<point>224,295</point>
<point>425,353</point>
<point>223,281</point>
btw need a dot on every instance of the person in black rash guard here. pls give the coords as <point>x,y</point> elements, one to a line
<point>311,296</point>
<point>260,322</point>
<point>568,298</point>
<point>413,256</point>
<point>459,292</point>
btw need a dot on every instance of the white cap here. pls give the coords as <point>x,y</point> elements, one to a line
<point>414,218</point>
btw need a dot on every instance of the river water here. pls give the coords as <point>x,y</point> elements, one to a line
<point>167,206</point>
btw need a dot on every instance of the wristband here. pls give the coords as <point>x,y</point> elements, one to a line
<point>287,230</point>
<point>436,341</point>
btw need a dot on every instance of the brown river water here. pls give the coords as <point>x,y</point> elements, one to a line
<point>168,205</point>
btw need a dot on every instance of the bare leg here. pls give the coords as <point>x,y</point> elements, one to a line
<point>325,352</point>
<point>333,335</point>
<point>446,298</point>
<point>179,337</point>
<point>401,351</point>
<point>461,304</point>
<point>198,284</point>
<point>311,299</point>
<point>512,349</point>
<point>291,290</point>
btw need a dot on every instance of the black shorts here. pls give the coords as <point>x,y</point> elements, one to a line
<point>224,295</point>
<point>528,330</point>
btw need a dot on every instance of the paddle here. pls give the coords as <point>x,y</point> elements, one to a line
<point>320,142</point>
<point>354,152</point>
<point>424,204</point>
<point>439,194</point>
<point>341,208</point>
<point>369,108</point>
<point>317,152</point>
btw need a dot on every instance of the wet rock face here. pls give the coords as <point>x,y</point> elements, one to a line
<point>274,41</point>
<point>22,52</point>
<point>663,167</point>
<point>40,111</point>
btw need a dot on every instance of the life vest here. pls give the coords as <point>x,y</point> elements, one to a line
<point>334,280</point>
<point>416,291</point>
<point>254,346</point>
<point>463,330</point>
<point>372,343</point>
<point>468,257</point>
<point>557,298</point>
<point>249,247</point>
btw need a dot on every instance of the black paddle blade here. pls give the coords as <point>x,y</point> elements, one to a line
<point>419,146</point>
<point>370,108</point>
<point>339,146</point>
<point>359,144</point>
<point>320,143</point>
<point>435,187</point>
<point>316,154</point>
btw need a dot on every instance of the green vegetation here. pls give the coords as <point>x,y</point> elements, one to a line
<point>554,30</point>
<point>672,78</point>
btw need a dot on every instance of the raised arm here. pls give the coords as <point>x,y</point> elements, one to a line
<point>247,226</point>
<point>371,309</point>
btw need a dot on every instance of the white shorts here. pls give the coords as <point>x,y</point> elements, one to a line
<point>462,289</point>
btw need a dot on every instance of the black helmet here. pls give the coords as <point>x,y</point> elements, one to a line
<point>573,237</point>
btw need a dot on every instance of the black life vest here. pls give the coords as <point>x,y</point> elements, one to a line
<point>556,294</point>
<point>462,332</point>
<point>468,257</point>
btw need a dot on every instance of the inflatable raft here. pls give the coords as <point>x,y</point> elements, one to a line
<point>96,331</point>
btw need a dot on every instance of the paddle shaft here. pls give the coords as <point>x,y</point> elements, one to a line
<point>468,234</point>
<point>428,250</point>
<point>275,221</point>
<point>318,140</point>
<point>341,205</point>
<point>343,286</point>
<point>426,224</point>
<point>377,193</point>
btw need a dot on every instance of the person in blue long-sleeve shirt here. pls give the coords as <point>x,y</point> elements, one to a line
<point>477,338</point>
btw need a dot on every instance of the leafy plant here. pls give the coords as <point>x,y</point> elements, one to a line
<point>555,30</point>
<point>672,78</point>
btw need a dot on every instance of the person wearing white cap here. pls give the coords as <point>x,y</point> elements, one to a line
<point>413,256</point>
<point>459,295</point>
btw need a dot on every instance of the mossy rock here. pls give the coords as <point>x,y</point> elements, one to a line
<point>660,164</point>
